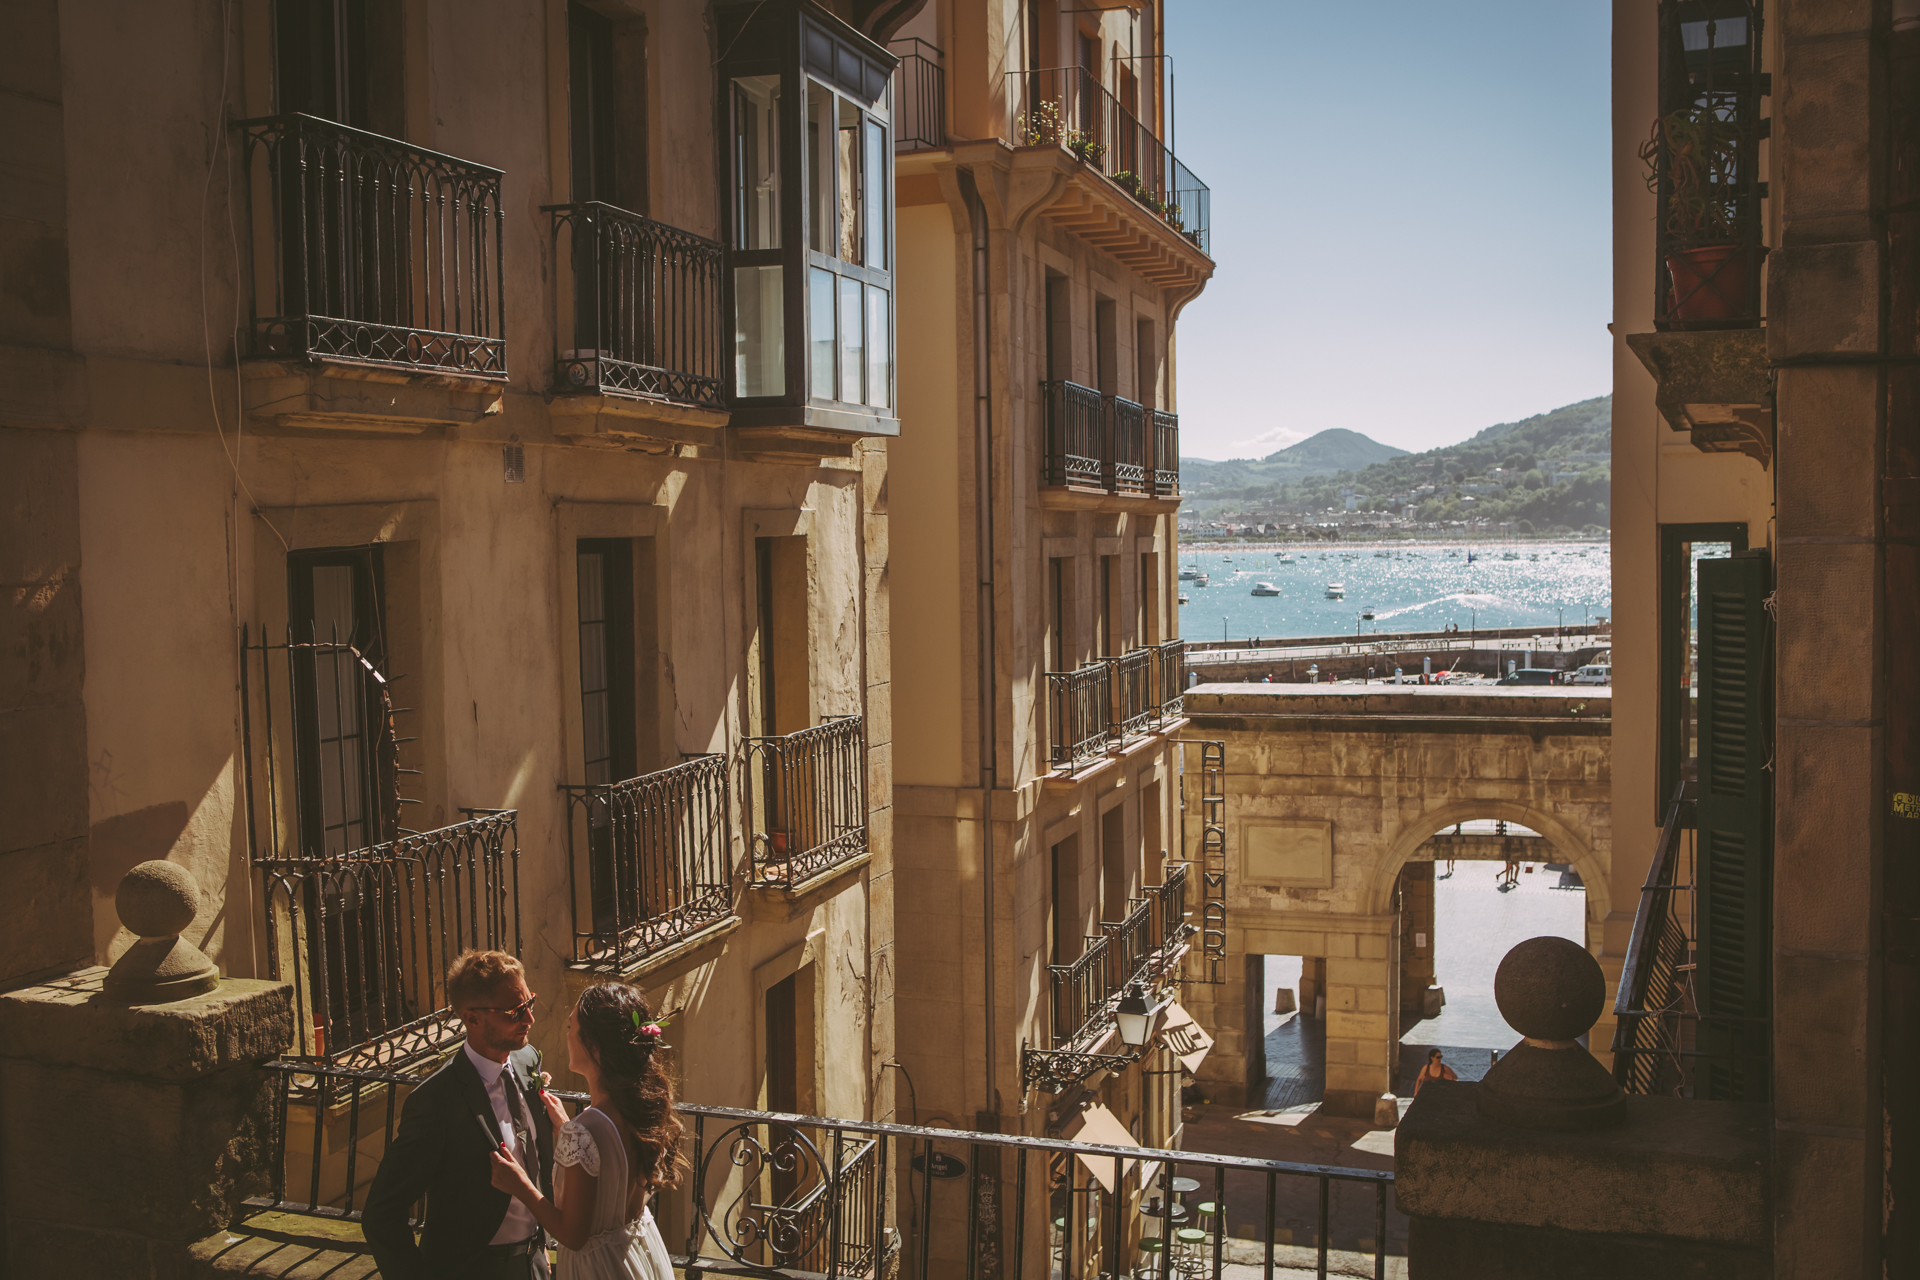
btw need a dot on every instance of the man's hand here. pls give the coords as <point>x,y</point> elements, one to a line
<point>508,1176</point>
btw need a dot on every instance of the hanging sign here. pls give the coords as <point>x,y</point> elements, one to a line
<point>944,1165</point>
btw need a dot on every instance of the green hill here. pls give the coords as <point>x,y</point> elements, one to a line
<point>1555,474</point>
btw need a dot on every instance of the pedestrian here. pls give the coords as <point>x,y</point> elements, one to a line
<point>1434,1070</point>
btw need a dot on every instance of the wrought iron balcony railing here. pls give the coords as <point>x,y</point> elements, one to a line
<point>779,1195</point>
<point>371,251</point>
<point>1108,444</point>
<point>1142,945</point>
<point>1170,678</point>
<point>647,861</point>
<point>637,307</point>
<point>1703,160</point>
<point>1663,1044</point>
<point>919,96</point>
<point>1069,108</point>
<point>807,807</point>
<point>1076,443</point>
<point>1079,714</point>
<point>1165,473</point>
<point>1134,707</point>
<point>1126,446</point>
<point>365,938</point>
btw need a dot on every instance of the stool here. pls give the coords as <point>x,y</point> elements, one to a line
<point>1190,1242</point>
<point>1153,1261</point>
<point>1209,1215</point>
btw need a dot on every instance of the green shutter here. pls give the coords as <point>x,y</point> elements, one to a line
<point>1735,823</point>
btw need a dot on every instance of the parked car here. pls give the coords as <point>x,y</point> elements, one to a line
<point>1597,673</point>
<point>1530,675</point>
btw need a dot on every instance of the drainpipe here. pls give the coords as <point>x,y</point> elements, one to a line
<point>984,606</point>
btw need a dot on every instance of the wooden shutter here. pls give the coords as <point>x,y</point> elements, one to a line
<point>1735,823</point>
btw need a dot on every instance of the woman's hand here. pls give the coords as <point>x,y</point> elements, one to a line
<point>508,1176</point>
<point>556,1109</point>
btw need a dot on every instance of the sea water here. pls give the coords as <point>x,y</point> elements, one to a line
<point>1411,588</point>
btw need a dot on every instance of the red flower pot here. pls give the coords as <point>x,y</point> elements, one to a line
<point>1708,283</point>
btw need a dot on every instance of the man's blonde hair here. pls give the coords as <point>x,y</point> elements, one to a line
<point>474,976</point>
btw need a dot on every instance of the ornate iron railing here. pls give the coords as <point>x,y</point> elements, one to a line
<point>372,251</point>
<point>636,307</point>
<point>1068,107</point>
<point>1126,454</point>
<point>656,860</point>
<point>1134,706</point>
<point>807,804</point>
<point>1147,941</point>
<point>1170,678</point>
<point>1704,165</point>
<point>1079,715</point>
<point>365,938</point>
<point>1165,473</point>
<point>1076,445</point>
<point>780,1195</point>
<point>919,96</point>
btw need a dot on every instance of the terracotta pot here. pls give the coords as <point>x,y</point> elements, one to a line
<point>1708,283</point>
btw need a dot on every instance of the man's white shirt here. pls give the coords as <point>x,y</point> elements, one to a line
<point>519,1222</point>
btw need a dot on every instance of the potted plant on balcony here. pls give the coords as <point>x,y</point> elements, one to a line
<point>1706,264</point>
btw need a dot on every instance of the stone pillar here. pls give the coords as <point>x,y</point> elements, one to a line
<point>1222,1010</point>
<point>1361,1027</point>
<point>1416,940</point>
<point>1313,985</point>
<point>134,1129</point>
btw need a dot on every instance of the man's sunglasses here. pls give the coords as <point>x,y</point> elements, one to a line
<point>514,1013</point>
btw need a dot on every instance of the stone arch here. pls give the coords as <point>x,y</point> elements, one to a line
<point>1572,846</point>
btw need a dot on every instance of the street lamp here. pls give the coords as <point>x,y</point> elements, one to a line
<point>1135,1017</point>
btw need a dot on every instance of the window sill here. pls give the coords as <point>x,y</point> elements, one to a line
<point>616,419</point>
<point>1073,497</point>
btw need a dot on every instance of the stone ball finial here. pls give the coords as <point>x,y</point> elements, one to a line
<point>1550,989</point>
<point>157,900</point>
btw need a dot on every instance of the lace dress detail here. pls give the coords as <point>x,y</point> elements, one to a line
<point>575,1146</point>
<point>619,1248</point>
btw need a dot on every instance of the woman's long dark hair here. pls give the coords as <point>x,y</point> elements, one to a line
<point>631,1071</point>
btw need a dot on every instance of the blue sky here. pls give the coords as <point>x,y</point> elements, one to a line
<point>1411,216</point>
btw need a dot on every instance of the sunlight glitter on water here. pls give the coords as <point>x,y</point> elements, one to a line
<point>1411,588</point>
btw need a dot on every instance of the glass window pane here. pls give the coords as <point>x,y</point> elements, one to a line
<point>852,359</point>
<point>756,162</point>
<point>876,175</point>
<point>820,234</point>
<point>850,191</point>
<point>879,348</point>
<point>820,294</point>
<point>759,332</point>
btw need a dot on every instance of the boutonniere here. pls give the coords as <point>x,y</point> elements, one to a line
<point>540,1078</point>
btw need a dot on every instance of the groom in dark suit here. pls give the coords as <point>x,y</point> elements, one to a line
<point>484,1098</point>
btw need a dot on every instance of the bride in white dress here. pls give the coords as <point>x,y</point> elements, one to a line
<point>609,1160</point>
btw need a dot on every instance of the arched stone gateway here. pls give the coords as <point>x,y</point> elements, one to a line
<point>1331,792</point>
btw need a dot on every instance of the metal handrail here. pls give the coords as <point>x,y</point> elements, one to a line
<point>375,251</point>
<point>821,1187</point>
<point>919,96</point>
<point>1126,452</point>
<point>1164,475</point>
<point>1079,708</point>
<point>637,307</point>
<point>1134,707</point>
<point>1170,678</point>
<point>656,852</point>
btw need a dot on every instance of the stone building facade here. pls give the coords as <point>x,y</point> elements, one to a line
<point>1034,596</point>
<point>388,544</point>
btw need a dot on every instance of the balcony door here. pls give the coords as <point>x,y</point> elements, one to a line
<point>608,741</point>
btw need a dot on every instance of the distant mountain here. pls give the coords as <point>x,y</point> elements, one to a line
<point>1309,477</point>
<point>1328,453</point>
